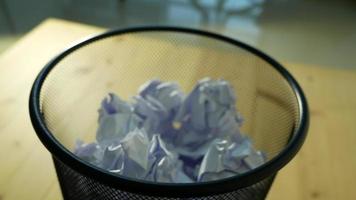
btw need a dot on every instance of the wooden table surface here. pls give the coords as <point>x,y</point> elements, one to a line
<point>325,168</point>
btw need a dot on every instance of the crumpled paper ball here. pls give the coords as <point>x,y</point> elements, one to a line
<point>157,104</point>
<point>207,113</point>
<point>116,119</point>
<point>163,135</point>
<point>225,159</point>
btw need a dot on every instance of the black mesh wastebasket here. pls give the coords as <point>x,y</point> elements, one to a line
<point>67,93</point>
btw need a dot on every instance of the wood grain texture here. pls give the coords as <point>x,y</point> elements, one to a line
<point>324,169</point>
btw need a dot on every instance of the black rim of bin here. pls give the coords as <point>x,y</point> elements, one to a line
<point>169,189</point>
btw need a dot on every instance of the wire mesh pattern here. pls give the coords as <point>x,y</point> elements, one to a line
<point>71,91</point>
<point>75,186</point>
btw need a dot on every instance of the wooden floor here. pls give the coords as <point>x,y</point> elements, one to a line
<point>325,168</point>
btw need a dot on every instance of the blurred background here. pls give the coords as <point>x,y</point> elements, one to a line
<point>317,32</point>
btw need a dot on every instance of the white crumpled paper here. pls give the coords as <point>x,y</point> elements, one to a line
<point>163,135</point>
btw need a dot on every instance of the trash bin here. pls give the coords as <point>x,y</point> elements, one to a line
<point>66,96</point>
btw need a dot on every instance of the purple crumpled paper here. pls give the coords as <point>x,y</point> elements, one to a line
<point>90,152</point>
<point>166,136</point>
<point>207,113</point>
<point>225,158</point>
<point>128,157</point>
<point>157,104</point>
<point>164,165</point>
<point>116,119</point>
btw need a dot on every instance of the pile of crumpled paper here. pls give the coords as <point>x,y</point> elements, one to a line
<point>164,135</point>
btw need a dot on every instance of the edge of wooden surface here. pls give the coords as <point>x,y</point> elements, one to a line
<point>48,24</point>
